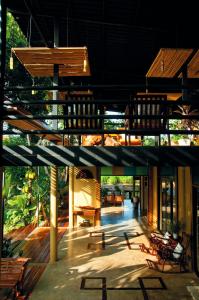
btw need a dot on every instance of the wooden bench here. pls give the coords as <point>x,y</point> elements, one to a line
<point>12,272</point>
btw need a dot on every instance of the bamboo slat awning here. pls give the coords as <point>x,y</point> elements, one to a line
<point>193,66</point>
<point>169,61</point>
<point>170,96</point>
<point>40,61</point>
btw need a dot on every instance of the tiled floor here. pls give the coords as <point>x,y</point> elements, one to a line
<point>108,265</point>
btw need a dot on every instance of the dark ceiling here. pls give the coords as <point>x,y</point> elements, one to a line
<point>123,36</point>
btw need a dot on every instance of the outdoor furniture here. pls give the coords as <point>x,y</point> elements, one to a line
<point>12,271</point>
<point>86,212</point>
<point>110,199</point>
<point>145,106</point>
<point>119,199</point>
<point>172,255</point>
<point>156,242</point>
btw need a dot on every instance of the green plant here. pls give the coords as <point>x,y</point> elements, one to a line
<point>186,124</point>
<point>113,180</point>
<point>17,213</point>
<point>149,141</point>
<point>117,190</point>
<point>175,226</point>
<point>104,192</point>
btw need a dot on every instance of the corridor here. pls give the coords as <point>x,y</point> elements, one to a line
<point>106,263</point>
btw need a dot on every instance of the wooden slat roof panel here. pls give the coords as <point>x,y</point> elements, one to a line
<point>193,67</point>
<point>168,61</point>
<point>39,61</point>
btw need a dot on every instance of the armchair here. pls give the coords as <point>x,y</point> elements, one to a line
<point>172,256</point>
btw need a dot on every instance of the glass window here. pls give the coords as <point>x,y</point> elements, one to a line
<point>168,202</point>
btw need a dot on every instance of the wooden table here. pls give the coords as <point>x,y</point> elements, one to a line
<point>85,211</point>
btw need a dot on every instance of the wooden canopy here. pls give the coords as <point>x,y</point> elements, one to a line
<point>169,62</point>
<point>40,61</point>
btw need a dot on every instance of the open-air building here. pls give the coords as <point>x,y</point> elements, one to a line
<point>123,90</point>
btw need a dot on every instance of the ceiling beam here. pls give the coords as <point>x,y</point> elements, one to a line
<point>36,23</point>
<point>121,25</point>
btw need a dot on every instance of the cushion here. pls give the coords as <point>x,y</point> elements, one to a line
<point>166,238</point>
<point>177,251</point>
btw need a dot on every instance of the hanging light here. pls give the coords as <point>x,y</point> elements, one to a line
<point>11,61</point>
<point>85,62</point>
<point>85,65</point>
<point>33,91</point>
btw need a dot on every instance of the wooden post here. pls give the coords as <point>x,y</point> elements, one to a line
<point>53,214</point>
<point>155,196</point>
<point>2,83</point>
<point>54,169</point>
<point>71,196</point>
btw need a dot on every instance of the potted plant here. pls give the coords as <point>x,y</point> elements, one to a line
<point>187,124</point>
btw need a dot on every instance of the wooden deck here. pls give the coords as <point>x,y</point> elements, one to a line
<point>36,245</point>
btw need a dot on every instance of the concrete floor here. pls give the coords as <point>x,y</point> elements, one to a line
<point>109,265</point>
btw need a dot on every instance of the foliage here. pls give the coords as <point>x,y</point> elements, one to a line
<point>187,124</point>
<point>186,110</point>
<point>17,213</point>
<point>19,75</point>
<point>15,140</point>
<point>8,188</point>
<point>104,179</point>
<point>149,141</point>
<point>113,123</point>
<point>104,191</point>
<point>116,179</point>
<point>113,180</point>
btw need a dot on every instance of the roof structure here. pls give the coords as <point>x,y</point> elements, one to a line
<point>123,37</point>
<point>40,61</point>
<point>31,124</point>
<point>170,63</point>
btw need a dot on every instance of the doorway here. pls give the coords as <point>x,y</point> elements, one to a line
<point>121,198</point>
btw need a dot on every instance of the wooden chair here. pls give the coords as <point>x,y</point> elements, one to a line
<point>156,242</point>
<point>143,105</point>
<point>110,199</point>
<point>169,256</point>
<point>119,199</point>
<point>87,108</point>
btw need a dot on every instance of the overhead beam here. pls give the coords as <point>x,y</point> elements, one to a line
<point>35,19</point>
<point>148,132</point>
<point>100,156</point>
<point>121,87</point>
<point>97,22</point>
